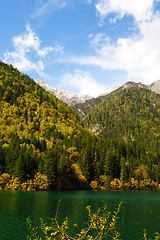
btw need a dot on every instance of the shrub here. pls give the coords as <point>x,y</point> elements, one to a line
<point>4,180</point>
<point>41,182</point>
<point>94,184</point>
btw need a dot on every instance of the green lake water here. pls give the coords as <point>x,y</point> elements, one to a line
<point>140,210</point>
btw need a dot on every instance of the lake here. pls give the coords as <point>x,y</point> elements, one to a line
<point>140,210</point>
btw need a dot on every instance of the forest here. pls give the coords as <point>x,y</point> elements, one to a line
<point>44,145</point>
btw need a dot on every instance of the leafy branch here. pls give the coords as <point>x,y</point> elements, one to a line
<point>101,225</point>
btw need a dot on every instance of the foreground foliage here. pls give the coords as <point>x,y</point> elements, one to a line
<point>157,236</point>
<point>101,225</point>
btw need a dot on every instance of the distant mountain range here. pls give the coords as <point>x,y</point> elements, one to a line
<point>154,87</point>
<point>72,98</point>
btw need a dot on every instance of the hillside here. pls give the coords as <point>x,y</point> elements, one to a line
<point>126,113</point>
<point>84,108</point>
<point>39,133</point>
<point>131,116</point>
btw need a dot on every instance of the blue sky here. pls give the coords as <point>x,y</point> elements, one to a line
<point>85,46</point>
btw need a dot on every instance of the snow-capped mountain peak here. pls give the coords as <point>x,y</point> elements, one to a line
<point>68,97</point>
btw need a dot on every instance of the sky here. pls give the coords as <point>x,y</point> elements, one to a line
<point>85,46</point>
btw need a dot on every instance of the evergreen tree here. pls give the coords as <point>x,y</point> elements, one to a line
<point>112,165</point>
<point>50,166</point>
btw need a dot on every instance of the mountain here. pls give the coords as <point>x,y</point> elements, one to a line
<point>125,113</point>
<point>69,98</point>
<point>129,120</point>
<point>155,87</point>
<point>40,133</point>
<point>84,108</point>
<point>83,104</point>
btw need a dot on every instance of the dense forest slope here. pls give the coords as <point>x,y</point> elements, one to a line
<point>38,132</point>
<point>84,108</point>
<point>44,144</point>
<point>131,115</point>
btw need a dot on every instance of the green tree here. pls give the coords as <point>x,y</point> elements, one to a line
<point>50,166</point>
<point>112,165</point>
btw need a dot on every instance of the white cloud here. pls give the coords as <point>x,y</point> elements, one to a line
<point>58,48</point>
<point>140,10</point>
<point>84,83</point>
<point>90,35</point>
<point>28,54</point>
<point>137,55</point>
<point>29,40</point>
<point>89,1</point>
<point>49,6</point>
<point>87,60</point>
<point>100,43</point>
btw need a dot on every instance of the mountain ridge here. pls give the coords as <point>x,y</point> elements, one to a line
<point>84,108</point>
<point>68,97</point>
<point>83,102</point>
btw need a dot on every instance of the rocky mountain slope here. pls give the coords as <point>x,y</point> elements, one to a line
<point>69,98</point>
<point>155,87</point>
